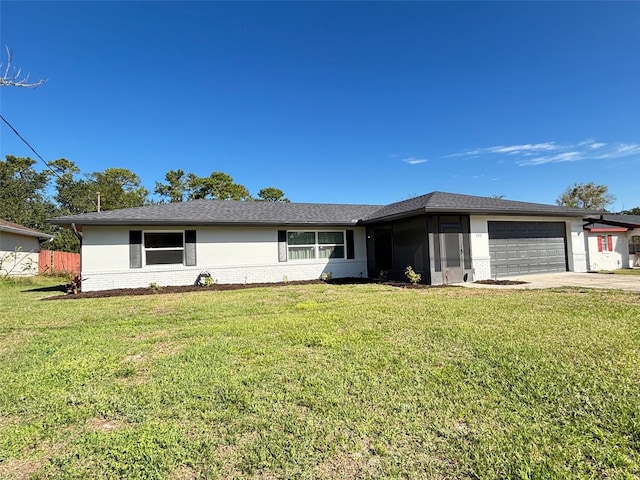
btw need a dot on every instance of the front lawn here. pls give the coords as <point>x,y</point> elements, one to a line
<point>321,381</point>
<point>623,271</point>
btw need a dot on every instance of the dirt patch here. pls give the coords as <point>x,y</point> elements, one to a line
<point>500,282</point>
<point>99,424</point>
<point>169,348</point>
<point>19,469</point>
<point>184,472</point>
<point>349,465</point>
<point>8,421</point>
<point>24,468</point>
<point>120,292</point>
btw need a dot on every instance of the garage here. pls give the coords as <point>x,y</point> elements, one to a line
<point>527,247</point>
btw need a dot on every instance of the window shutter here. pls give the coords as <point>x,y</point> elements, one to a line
<point>609,243</point>
<point>135,248</point>
<point>350,246</point>
<point>282,245</point>
<point>599,243</point>
<point>190,248</point>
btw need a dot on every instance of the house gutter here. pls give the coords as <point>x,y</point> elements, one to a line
<point>466,211</point>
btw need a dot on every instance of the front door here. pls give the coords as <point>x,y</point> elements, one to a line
<point>383,248</point>
<point>452,253</point>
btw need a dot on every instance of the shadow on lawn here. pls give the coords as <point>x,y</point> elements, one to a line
<point>54,288</point>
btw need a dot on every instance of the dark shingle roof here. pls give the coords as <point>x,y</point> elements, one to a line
<point>441,202</point>
<point>10,227</point>
<point>221,212</point>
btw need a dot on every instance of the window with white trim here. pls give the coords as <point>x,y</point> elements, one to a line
<point>605,243</point>
<point>305,245</point>
<point>634,244</point>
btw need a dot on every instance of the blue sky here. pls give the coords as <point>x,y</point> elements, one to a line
<point>336,101</point>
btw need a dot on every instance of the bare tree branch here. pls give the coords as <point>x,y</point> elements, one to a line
<point>12,79</point>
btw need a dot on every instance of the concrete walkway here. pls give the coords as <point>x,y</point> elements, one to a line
<point>569,279</point>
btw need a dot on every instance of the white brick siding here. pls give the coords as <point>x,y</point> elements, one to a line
<point>230,255</point>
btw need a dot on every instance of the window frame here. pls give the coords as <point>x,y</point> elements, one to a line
<point>634,243</point>
<point>317,246</point>
<point>145,249</point>
<point>605,243</point>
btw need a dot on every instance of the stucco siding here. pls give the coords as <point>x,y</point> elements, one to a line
<point>618,257</point>
<point>18,254</point>
<point>105,249</point>
<point>229,255</point>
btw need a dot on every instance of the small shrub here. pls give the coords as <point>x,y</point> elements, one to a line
<point>205,280</point>
<point>326,276</point>
<point>285,279</point>
<point>75,284</point>
<point>382,276</point>
<point>412,276</point>
<point>155,288</point>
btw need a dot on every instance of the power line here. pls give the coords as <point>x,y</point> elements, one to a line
<point>29,145</point>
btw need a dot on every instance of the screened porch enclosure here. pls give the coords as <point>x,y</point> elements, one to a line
<point>436,246</point>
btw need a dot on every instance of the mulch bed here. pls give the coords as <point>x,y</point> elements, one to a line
<point>121,292</point>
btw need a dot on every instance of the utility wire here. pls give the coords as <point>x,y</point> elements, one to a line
<point>29,145</point>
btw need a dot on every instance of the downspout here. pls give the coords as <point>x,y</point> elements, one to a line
<point>79,236</point>
<point>76,232</point>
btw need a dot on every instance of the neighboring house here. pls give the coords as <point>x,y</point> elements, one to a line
<point>448,238</point>
<point>19,247</point>
<point>613,241</point>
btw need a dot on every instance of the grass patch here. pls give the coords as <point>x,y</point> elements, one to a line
<point>321,381</point>
<point>622,271</point>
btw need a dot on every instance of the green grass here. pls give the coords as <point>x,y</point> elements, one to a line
<point>623,271</point>
<point>321,381</point>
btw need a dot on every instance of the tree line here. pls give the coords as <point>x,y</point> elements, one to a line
<point>30,197</point>
<point>591,197</point>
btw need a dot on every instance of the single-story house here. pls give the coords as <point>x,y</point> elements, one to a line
<point>19,247</point>
<point>613,241</point>
<point>446,237</point>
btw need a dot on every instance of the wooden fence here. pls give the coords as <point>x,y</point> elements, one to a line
<point>58,262</point>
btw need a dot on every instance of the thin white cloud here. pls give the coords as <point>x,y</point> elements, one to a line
<point>525,149</point>
<point>592,144</point>
<point>589,151</point>
<point>414,160</point>
<point>552,152</point>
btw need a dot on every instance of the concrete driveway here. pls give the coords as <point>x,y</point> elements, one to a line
<point>569,279</point>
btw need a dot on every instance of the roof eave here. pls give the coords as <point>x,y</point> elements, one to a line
<point>615,223</point>
<point>26,233</point>
<point>200,223</point>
